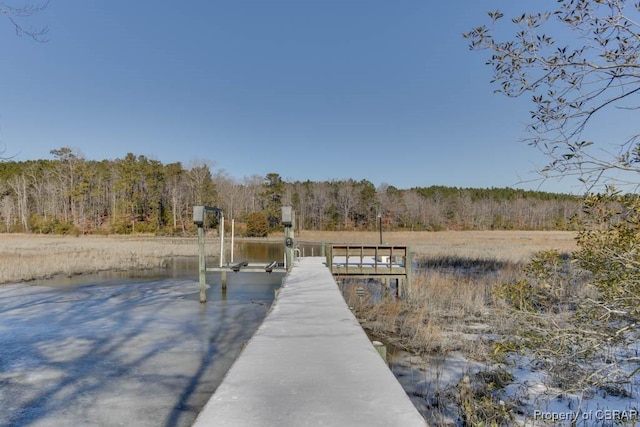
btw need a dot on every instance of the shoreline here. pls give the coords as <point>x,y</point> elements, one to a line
<point>27,257</point>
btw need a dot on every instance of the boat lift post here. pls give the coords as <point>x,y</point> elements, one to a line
<point>198,219</point>
<point>288,220</point>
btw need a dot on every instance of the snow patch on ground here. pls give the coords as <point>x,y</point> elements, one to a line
<point>431,382</point>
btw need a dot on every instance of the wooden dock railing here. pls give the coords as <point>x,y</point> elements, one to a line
<point>371,261</point>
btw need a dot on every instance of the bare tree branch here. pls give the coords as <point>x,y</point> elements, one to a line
<point>15,14</point>
<point>572,80</point>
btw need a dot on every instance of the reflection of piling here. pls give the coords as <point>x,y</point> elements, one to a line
<point>223,276</point>
<point>202,267</point>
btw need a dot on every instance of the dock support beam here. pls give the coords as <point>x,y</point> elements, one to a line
<point>199,213</point>
<point>288,220</point>
<point>288,248</point>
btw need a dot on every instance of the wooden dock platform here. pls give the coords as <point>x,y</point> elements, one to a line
<point>310,364</point>
<point>381,262</point>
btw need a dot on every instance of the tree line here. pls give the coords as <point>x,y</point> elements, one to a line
<point>136,194</point>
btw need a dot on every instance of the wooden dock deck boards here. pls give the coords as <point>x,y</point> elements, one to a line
<point>310,364</point>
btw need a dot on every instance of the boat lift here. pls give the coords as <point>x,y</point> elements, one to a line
<point>199,213</point>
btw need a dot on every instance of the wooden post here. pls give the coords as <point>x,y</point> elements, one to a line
<point>288,252</point>
<point>408,268</point>
<point>347,259</point>
<point>221,232</point>
<point>292,234</point>
<point>382,349</point>
<point>202,269</point>
<point>233,223</point>
<point>199,219</point>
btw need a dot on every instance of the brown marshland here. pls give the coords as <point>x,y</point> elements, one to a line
<point>26,257</point>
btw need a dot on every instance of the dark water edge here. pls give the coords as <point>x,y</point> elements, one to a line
<point>123,347</point>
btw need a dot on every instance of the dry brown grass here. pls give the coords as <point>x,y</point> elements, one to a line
<point>445,311</point>
<point>27,256</point>
<point>451,301</point>
<point>514,246</point>
<point>452,311</point>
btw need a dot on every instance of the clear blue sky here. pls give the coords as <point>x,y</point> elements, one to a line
<point>381,90</point>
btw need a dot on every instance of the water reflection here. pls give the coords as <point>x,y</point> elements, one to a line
<point>259,251</point>
<point>271,251</point>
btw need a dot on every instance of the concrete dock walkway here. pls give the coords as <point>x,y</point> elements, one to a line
<point>309,364</point>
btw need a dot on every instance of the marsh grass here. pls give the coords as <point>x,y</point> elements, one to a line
<point>449,307</point>
<point>512,246</point>
<point>30,257</point>
<point>450,310</point>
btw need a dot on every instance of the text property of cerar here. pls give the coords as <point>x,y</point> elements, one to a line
<point>593,415</point>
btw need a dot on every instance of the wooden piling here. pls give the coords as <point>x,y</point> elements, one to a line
<point>381,349</point>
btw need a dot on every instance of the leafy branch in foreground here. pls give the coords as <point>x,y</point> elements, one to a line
<point>610,250</point>
<point>575,315</point>
<point>578,63</point>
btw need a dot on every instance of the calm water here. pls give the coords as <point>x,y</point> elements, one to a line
<point>272,251</point>
<point>124,348</point>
